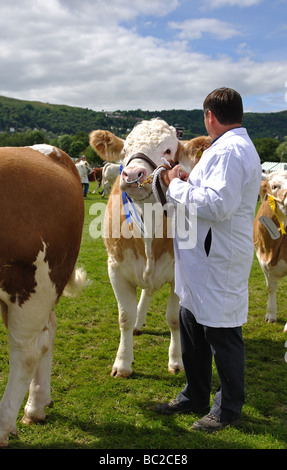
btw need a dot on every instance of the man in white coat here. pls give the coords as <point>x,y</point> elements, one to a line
<point>211,279</point>
<point>84,170</point>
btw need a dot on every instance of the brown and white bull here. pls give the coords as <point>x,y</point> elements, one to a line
<point>270,239</point>
<point>143,261</point>
<point>96,175</point>
<point>42,215</point>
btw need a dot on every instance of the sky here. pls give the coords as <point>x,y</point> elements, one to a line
<point>144,54</point>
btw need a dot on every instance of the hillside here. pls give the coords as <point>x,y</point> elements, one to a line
<point>19,115</point>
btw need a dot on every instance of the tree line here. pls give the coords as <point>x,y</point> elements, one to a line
<point>269,149</point>
<point>28,123</point>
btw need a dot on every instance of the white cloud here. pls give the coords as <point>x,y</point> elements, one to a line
<point>196,28</point>
<point>113,11</point>
<point>231,3</point>
<point>82,53</point>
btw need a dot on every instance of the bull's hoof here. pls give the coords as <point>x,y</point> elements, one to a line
<point>30,420</point>
<point>3,443</point>
<point>270,320</point>
<point>175,369</point>
<point>120,374</point>
<point>137,332</point>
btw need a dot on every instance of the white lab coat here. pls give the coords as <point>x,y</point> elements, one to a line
<point>83,169</point>
<point>224,185</point>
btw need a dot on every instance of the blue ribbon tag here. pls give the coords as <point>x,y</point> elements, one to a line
<point>130,210</point>
<point>125,199</point>
<point>131,214</point>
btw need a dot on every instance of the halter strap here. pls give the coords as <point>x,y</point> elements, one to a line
<point>144,157</point>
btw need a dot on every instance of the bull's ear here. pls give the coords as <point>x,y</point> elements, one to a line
<point>189,152</point>
<point>263,188</point>
<point>108,146</point>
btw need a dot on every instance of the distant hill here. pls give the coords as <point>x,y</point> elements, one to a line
<point>19,115</point>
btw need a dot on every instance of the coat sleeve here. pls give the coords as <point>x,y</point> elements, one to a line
<point>216,189</point>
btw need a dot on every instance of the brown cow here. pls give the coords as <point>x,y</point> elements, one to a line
<point>42,216</point>
<point>96,174</point>
<point>270,239</point>
<point>143,261</point>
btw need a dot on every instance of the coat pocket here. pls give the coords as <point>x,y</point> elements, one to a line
<point>207,242</point>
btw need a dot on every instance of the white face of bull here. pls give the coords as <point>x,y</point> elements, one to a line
<point>155,139</point>
<point>277,187</point>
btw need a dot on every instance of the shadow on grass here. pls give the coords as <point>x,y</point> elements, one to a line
<point>114,418</point>
<point>172,432</point>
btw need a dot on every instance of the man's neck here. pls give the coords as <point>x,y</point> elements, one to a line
<point>221,129</point>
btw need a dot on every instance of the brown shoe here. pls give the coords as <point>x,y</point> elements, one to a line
<point>211,423</point>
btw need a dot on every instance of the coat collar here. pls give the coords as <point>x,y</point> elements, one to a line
<point>235,130</point>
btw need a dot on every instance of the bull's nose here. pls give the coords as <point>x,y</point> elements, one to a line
<point>134,175</point>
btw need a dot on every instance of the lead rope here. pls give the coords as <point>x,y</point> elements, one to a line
<point>156,174</point>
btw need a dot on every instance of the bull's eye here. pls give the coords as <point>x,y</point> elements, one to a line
<point>274,186</point>
<point>168,151</point>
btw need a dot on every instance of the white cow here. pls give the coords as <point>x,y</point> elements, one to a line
<point>110,173</point>
<point>134,260</point>
<point>270,238</point>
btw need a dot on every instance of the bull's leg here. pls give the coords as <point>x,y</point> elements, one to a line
<point>98,185</point>
<point>142,309</point>
<point>172,317</point>
<point>127,306</point>
<point>28,342</point>
<point>40,387</point>
<point>106,189</point>
<point>271,312</point>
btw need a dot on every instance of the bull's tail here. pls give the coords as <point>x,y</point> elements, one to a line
<point>77,282</point>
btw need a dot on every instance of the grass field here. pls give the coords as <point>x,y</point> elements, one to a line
<point>95,411</point>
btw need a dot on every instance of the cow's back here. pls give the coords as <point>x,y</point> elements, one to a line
<point>41,209</point>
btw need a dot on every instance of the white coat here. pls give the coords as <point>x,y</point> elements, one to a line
<point>211,279</point>
<point>83,169</point>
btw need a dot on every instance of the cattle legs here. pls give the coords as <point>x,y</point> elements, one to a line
<point>127,305</point>
<point>271,312</point>
<point>40,386</point>
<point>172,317</point>
<point>142,309</point>
<point>131,320</point>
<point>30,360</point>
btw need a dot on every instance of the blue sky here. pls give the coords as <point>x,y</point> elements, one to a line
<point>258,29</point>
<point>147,54</point>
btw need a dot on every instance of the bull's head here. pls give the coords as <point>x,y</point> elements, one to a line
<point>148,146</point>
<point>275,185</point>
<point>274,188</point>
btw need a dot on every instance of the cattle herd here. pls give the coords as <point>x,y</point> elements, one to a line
<point>40,243</point>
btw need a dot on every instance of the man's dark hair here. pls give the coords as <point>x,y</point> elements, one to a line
<point>226,105</point>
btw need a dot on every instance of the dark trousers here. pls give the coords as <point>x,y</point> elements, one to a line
<point>85,188</point>
<point>199,344</point>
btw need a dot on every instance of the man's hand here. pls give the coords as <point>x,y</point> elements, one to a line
<point>168,175</point>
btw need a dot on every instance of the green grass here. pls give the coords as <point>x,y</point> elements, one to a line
<point>95,411</point>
